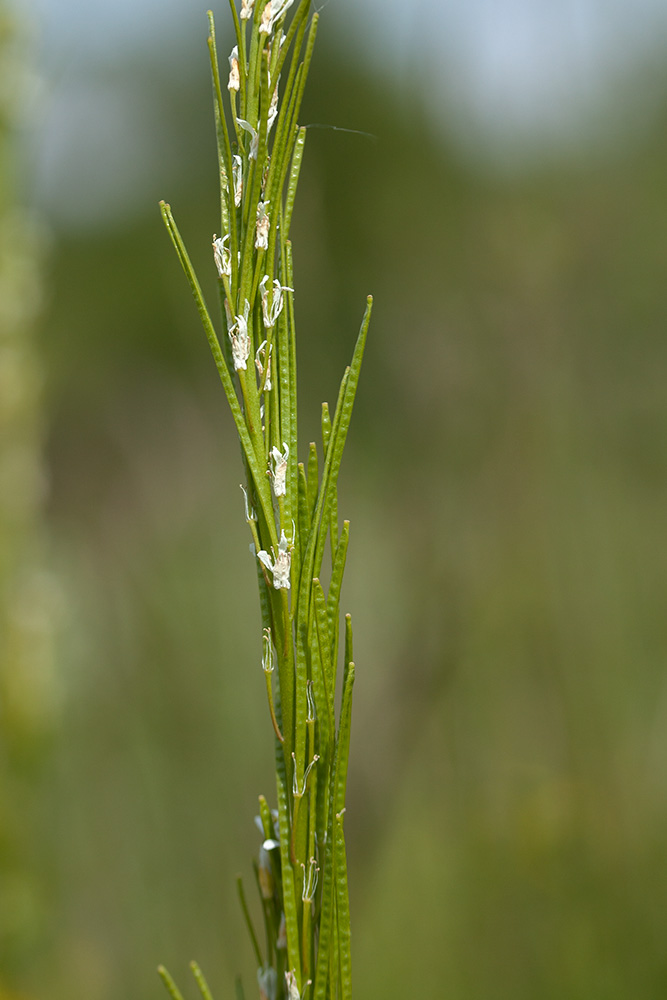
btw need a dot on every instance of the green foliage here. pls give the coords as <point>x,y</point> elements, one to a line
<point>292,512</point>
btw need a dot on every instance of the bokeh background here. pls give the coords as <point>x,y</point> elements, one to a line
<point>503,193</point>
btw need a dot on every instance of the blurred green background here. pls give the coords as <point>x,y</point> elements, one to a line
<point>506,480</point>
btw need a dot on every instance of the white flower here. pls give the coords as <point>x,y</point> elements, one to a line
<point>234,80</point>
<point>292,988</point>
<point>246,8</point>
<point>273,11</point>
<point>237,177</point>
<point>261,360</point>
<point>254,143</point>
<point>222,255</point>
<point>272,311</point>
<point>279,471</point>
<point>279,566</point>
<point>263,226</point>
<point>238,334</point>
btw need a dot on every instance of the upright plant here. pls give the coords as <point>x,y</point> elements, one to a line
<point>291,507</point>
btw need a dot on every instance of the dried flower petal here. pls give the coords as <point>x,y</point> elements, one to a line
<point>263,226</point>
<point>238,335</point>
<point>279,470</point>
<point>222,255</point>
<point>234,79</point>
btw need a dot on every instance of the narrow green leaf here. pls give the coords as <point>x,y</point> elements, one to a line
<point>334,965</point>
<point>324,639</point>
<point>171,987</point>
<point>313,477</point>
<point>240,995</point>
<point>342,911</point>
<point>325,735</point>
<point>333,523</point>
<point>266,818</point>
<point>332,866</point>
<point>300,710</point>
<point>326,427</point>
<point>343,742</point>
<point>201,982</point>
<point>289,894</point>
<point>297,158</point>
<point>333,598</point>
<point>304,512</point>
<point>333,517</point>
<point>310,45</point>
<point>327,920</point>
<point>349,652</point>
<point>340,428</point>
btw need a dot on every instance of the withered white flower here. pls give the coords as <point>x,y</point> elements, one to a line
<point>272,13</point>
<point>238,335</point>
<point>254,137</point>
<point>222,255</point>
<point>237,178</point>
<point>279,471</point>
<point>292,988</point>
<point>261,361</point>
<point>271,311</point>
<point>234,79</point>
<point>246,9</point>
<point>279,566</point>
<point>263,226</point>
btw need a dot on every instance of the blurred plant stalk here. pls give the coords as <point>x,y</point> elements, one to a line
<point>291,507</point>
<point>27,696</point>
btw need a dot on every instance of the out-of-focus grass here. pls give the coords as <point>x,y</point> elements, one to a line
<point>508,812</point>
